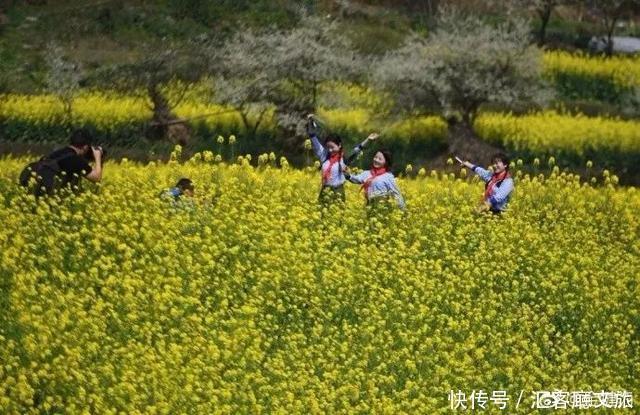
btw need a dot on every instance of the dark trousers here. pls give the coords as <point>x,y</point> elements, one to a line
<point>329,194</point>
<point>381,206</point>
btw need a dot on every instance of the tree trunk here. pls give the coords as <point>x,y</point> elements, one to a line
<point>290,134</point>
<point>161,110</point>
<point>249,128</point>
<point>545,16</point>
<point>245,120</point>
<point>433,8</point>
<point>256,125</point>
<point>163,128</point>
<point>609,47</point>
<point>465,143</point>
<point>68,112</point>
<point>4,20</point>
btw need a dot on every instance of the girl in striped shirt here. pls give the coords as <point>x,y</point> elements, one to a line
<point>498,185</point>
<point>378,182</point>
<point>332,161</point>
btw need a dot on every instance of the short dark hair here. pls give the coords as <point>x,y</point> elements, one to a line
<point>502,157</point>
<point>81,137</point>
<point>335,138</point>
<point>185,184</point>
<point>388,158</point>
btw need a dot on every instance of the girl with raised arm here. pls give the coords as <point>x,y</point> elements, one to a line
<point>498,185</point>
<point>332,161</point>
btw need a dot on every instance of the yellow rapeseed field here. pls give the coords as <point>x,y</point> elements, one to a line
<point>109,112</point>
<point>624,71</point>
<point>105,111</point>
<point>550,132</point>
<point>252,299</point>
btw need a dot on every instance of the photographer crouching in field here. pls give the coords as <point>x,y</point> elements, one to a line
<point>63,168</point>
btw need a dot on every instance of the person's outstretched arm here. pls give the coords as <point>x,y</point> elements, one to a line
<point>358,149</point>
<point>484,174</point>
<point>95,175</point>
<point>356,178</point>
<point>320,151</point>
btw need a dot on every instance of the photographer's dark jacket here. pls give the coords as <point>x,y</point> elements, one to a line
<point>73,165</point>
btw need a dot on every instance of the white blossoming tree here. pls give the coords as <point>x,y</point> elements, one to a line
<point>283,69</point>
<point>462,66</point>
<point>161,76</point>
<point>62,79</point>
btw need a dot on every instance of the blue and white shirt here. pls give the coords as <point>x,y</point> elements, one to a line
<point>174,192</point>
<point>501,193</point>
<point>381,186</point>
<point>336,175</point>
<point>177,199</point>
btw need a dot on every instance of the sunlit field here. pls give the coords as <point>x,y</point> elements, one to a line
<point>251,298</point>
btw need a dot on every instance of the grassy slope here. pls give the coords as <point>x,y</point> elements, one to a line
<point>98,33</point>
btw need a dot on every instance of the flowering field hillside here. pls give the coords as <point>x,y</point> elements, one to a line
<point>251,299</point>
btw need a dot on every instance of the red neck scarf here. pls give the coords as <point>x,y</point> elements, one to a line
<point>333,159</point>
<point>495,179</point>
<point>375,172</point>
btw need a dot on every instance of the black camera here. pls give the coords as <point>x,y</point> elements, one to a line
<point>312,126</point>
<point>89,154</point>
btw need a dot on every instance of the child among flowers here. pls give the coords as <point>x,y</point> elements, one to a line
<point>498,185</point>
<point>378,182</point>
<point>333,164</point>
